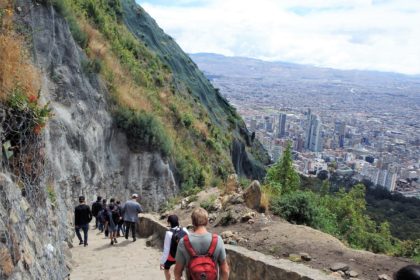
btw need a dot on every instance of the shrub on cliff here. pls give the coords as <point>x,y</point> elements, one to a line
<point>144,131</point>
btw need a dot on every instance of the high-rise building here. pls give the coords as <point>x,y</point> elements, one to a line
<point>282,126</point>
<point>253,125</point>
<point>391,181</point>
<point>313,134</point>
<point>340,130</point>
<point>268,124</point>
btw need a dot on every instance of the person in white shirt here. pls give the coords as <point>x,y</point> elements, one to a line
<point>172,237</point>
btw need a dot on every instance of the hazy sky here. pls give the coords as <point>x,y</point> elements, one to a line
<point>347,34</point>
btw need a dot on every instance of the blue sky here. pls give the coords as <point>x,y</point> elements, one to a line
<point>346,34</point>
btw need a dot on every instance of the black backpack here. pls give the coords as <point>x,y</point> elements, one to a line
<point>177,235</point>
<point>115,215</point>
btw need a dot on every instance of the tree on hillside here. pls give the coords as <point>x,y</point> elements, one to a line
<point>283,172</point>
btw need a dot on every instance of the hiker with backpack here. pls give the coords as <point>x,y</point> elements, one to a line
<point>96,208</point>
<point>202,253</point>
<point>172,238</point>
<point>113,217</point>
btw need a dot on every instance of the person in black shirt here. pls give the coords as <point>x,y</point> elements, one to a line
<point>82,218</point>
<point>96,208</point>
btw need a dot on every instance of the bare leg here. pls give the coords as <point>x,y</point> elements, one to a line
<point>167,274</point>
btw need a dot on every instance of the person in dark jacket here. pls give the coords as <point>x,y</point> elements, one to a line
<point>82,218</point>
<point>409,272</point>
<point>120,227</point>
<point>103,212</point>
<point>96,208</point>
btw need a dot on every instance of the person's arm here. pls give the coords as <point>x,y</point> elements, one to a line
<point>224,270</point>
<point>223,265</point>
<point>166,247</point>
<point>140,209</point>
<point>180,260</point>
<point>90,214</point>
<point>75,217</point>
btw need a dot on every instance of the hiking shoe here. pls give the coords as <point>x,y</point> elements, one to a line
<point>85,244</point>
<point>134,239</point>
<point>115,240</point>
<point>81,243</point>
<point>112,242</point>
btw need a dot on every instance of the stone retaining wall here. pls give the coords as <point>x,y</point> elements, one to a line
<point>244,264</point>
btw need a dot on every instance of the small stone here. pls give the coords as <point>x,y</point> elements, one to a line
<point>19,10</point>
<point>226,234</point>
<point>233,242</point>
<point>184,203</point>
<point>339,266</point>
<point>384,277</point>
<point>336,275</point>
<point>352,273</point>
<point>305,256</point>
<point>251,221</point>
<point>295,258</point>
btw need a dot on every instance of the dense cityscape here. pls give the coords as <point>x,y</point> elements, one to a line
<point>357,123</point>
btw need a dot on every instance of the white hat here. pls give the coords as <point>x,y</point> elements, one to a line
<point>134,195</point>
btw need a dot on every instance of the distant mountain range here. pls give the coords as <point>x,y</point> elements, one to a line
<point>302,77</point>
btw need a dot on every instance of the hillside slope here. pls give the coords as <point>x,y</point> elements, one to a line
<point>246,156</point>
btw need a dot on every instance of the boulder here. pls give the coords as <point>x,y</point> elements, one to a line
<point>384,277</point>
<point>252,196</point>
<point>340,267</point>
<point>226,234</point>
<point>248,216</point>
<point>6,264</point>
<point>295,258</point>
<point>352,273</point>
<point>305,256</point>
<point>185,202</point>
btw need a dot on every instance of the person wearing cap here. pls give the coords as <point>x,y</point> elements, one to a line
<point>82,218</point>
<point>131,210</point>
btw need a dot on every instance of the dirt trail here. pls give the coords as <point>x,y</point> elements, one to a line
<point>126,260</point>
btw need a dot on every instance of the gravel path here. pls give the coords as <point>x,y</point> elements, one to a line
<point>126,260</point>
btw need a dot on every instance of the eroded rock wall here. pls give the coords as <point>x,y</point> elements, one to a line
<point>84,155</point>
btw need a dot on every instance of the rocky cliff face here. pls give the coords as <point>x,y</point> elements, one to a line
<point>84,155</point>
<point>187,74</point>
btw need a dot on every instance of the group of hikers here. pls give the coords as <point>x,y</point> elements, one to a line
<point>200,253</point>
<point>113,219</point>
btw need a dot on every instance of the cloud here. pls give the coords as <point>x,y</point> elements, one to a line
<point>360,34</point>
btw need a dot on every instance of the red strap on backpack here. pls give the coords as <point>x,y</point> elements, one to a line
<point>191,250</point>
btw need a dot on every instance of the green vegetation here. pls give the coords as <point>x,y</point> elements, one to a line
<point>156,112</point>
<point>282,174</point>
<point>209,203</point>
<point>52,196</point>
<point>144,131</point>
<point>401,212</point>
<point>27,107</point>
<point>342,214</point>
